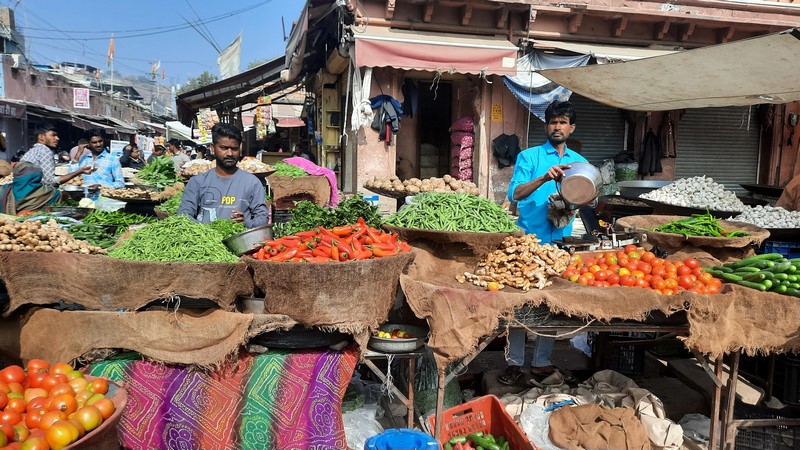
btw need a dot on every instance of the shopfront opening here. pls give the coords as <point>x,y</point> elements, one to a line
<point>435,117</point>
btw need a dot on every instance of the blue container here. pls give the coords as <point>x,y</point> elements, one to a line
<point>401,439</point>
<point>789,250</point>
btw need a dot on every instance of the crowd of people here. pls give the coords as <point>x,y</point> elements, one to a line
<point>35,184</point>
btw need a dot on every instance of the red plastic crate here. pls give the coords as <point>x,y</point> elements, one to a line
<point>485,414</point>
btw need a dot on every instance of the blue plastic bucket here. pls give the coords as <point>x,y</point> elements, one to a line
<point>401,439</point>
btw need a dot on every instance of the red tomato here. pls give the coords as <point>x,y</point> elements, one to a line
<point>49,382</point>
<point>583,280</point>
<point>33,417</point>
<point>38,366</point>
<point>61,434</point>
<point>62,368</point>
<point>685,282</point>
<point>38,403</point>
<point>62,388</point>
<point>99,385</point>
<point>65,403</point>
<point>642,283</point>
<point>644,267</point>
<point>49,418</point>
<point>32,393</point>
<point>10,417</point>
<point>7,430</point>
<point>612,279</point>
<point>16,405</point>
<point>630,248</point>
<point>12,374</point>
<point>601,275</point>
<point>106,407</point>
<point>627,280</point>
<point>90,417</point>
<point>35,380</point>
<point>691,263</point>
<point>648,257</point>
<point>684,270</point>
<point>3,399</point>
<point>35,443</point>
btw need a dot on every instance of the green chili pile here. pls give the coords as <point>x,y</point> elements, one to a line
<point>288,170</point>
<point>226,227</point>
<point>96,235</point>
<point>308,215</point>
<point>159,173</point>
<point>698,225</point>
<point>171,206</point>
<point>174,239</point>
<point>121,219</point>
<point>453,212</point>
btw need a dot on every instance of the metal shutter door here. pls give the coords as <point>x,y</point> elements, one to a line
<point>600,128</point>
<point>721,143</point>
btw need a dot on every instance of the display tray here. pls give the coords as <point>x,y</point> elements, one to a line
<point>645,224</point>
<point>764,189</point>
<point>784,234</point>
<point>140,201</point>
<point>263,175</point>
<point>665,209</point>
<point>300,337</point>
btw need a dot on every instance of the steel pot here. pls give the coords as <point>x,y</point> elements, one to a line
<point>248,241</point>
<point>580,184</point>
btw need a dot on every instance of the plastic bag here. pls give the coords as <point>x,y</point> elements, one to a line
<point>360,425</point>
<point>609,179</point>
<point>535,422</point>
<point>696,427</point>
<point>466,123</point>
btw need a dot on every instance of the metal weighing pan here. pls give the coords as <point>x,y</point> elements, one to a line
<point>664,209</point>
<point>764,189</point>
<point>633,189</point>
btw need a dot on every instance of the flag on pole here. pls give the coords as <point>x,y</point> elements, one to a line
<point>110,56</point>
<point>163,75</point>
<point>155,66</point>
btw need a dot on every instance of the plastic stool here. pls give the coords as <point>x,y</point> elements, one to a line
<point>401,439</point>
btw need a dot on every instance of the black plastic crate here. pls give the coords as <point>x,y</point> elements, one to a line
<point>787,379</point>
<point>622,352</point>
<point>766,438</point>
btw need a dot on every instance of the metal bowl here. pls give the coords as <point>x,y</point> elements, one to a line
<point>633,189</point>
<point>74,192</point>
<point>399,345</point>
<point>580,184</point>
<point>248,241</point>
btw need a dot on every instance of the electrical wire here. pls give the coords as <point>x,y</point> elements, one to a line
<point>150,31</point>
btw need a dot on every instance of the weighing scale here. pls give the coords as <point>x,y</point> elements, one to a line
<point>608,237</point>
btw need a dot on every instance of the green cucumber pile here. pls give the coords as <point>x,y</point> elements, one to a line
<point>768,272</point>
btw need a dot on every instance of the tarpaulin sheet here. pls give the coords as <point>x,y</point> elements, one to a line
<point>277,400</point>
<point>747,72</point>
<point>428,51</point>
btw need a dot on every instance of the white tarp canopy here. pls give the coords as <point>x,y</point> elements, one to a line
<point>748,72</point>
<point>177,130</point>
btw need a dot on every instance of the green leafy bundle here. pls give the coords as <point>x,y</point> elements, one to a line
<point>226,227</point>
<point>159,174</point>
<point>308,215</point>
<point>288,170</point>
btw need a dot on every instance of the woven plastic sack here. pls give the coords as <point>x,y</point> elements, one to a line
<point>464,174</point>
<point>455,151</point>
<point>464,124</point>
<point>463,138</point>
<point>465,164</point>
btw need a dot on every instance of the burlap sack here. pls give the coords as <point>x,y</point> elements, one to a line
<point>202,338</point>
<point>459,315</point>
<point>478,243</point>
<point>741,318</point>
<point>597,428</point>
<point>102,283</point>
<point>723,249</point>
<point>317,187</point>
<point>352,297</point>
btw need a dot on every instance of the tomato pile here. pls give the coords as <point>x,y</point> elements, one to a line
<point>49,407</point>
<point>634,267</point>
<point>346,243</point>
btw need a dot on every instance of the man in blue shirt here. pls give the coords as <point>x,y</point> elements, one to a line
<point>106,169</point>
<point>535,175</point>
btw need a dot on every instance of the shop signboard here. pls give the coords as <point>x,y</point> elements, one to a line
<point>80,98</point>
<point>12,110</point>
<point>116,147</point>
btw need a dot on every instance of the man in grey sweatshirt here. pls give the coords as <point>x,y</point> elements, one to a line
<point>225,192</point>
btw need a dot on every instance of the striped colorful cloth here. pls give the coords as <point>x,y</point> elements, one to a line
<point>277,400</point>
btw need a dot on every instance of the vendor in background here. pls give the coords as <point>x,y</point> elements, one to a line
<point>225,192</point>
<point>790,198</point>
<point>131,157</point>
<point>75,153</point>
<point>158,150</point>
<point>104,169</point>
<point>176,153</point>
<point>41,155</point>
<point>535,175</point>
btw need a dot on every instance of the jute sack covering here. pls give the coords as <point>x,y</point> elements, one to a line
<point>460,314</point>
<point>353,297</point>
<point>315,186</point>
<point>724,249</point>
<point>740,318</point>
<point>597,428</point>
<point>201,338</point>
<point>102,283</point>
<point>478,243</point>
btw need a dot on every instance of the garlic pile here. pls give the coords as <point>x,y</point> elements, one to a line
<point>697,192</point>
<point>769,217</point>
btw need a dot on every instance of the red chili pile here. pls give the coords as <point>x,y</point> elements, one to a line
<point>346,243</point>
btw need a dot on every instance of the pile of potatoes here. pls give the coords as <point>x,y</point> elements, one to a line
<point>415,185</point>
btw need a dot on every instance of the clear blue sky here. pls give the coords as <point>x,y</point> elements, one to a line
<point>79,31</point>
